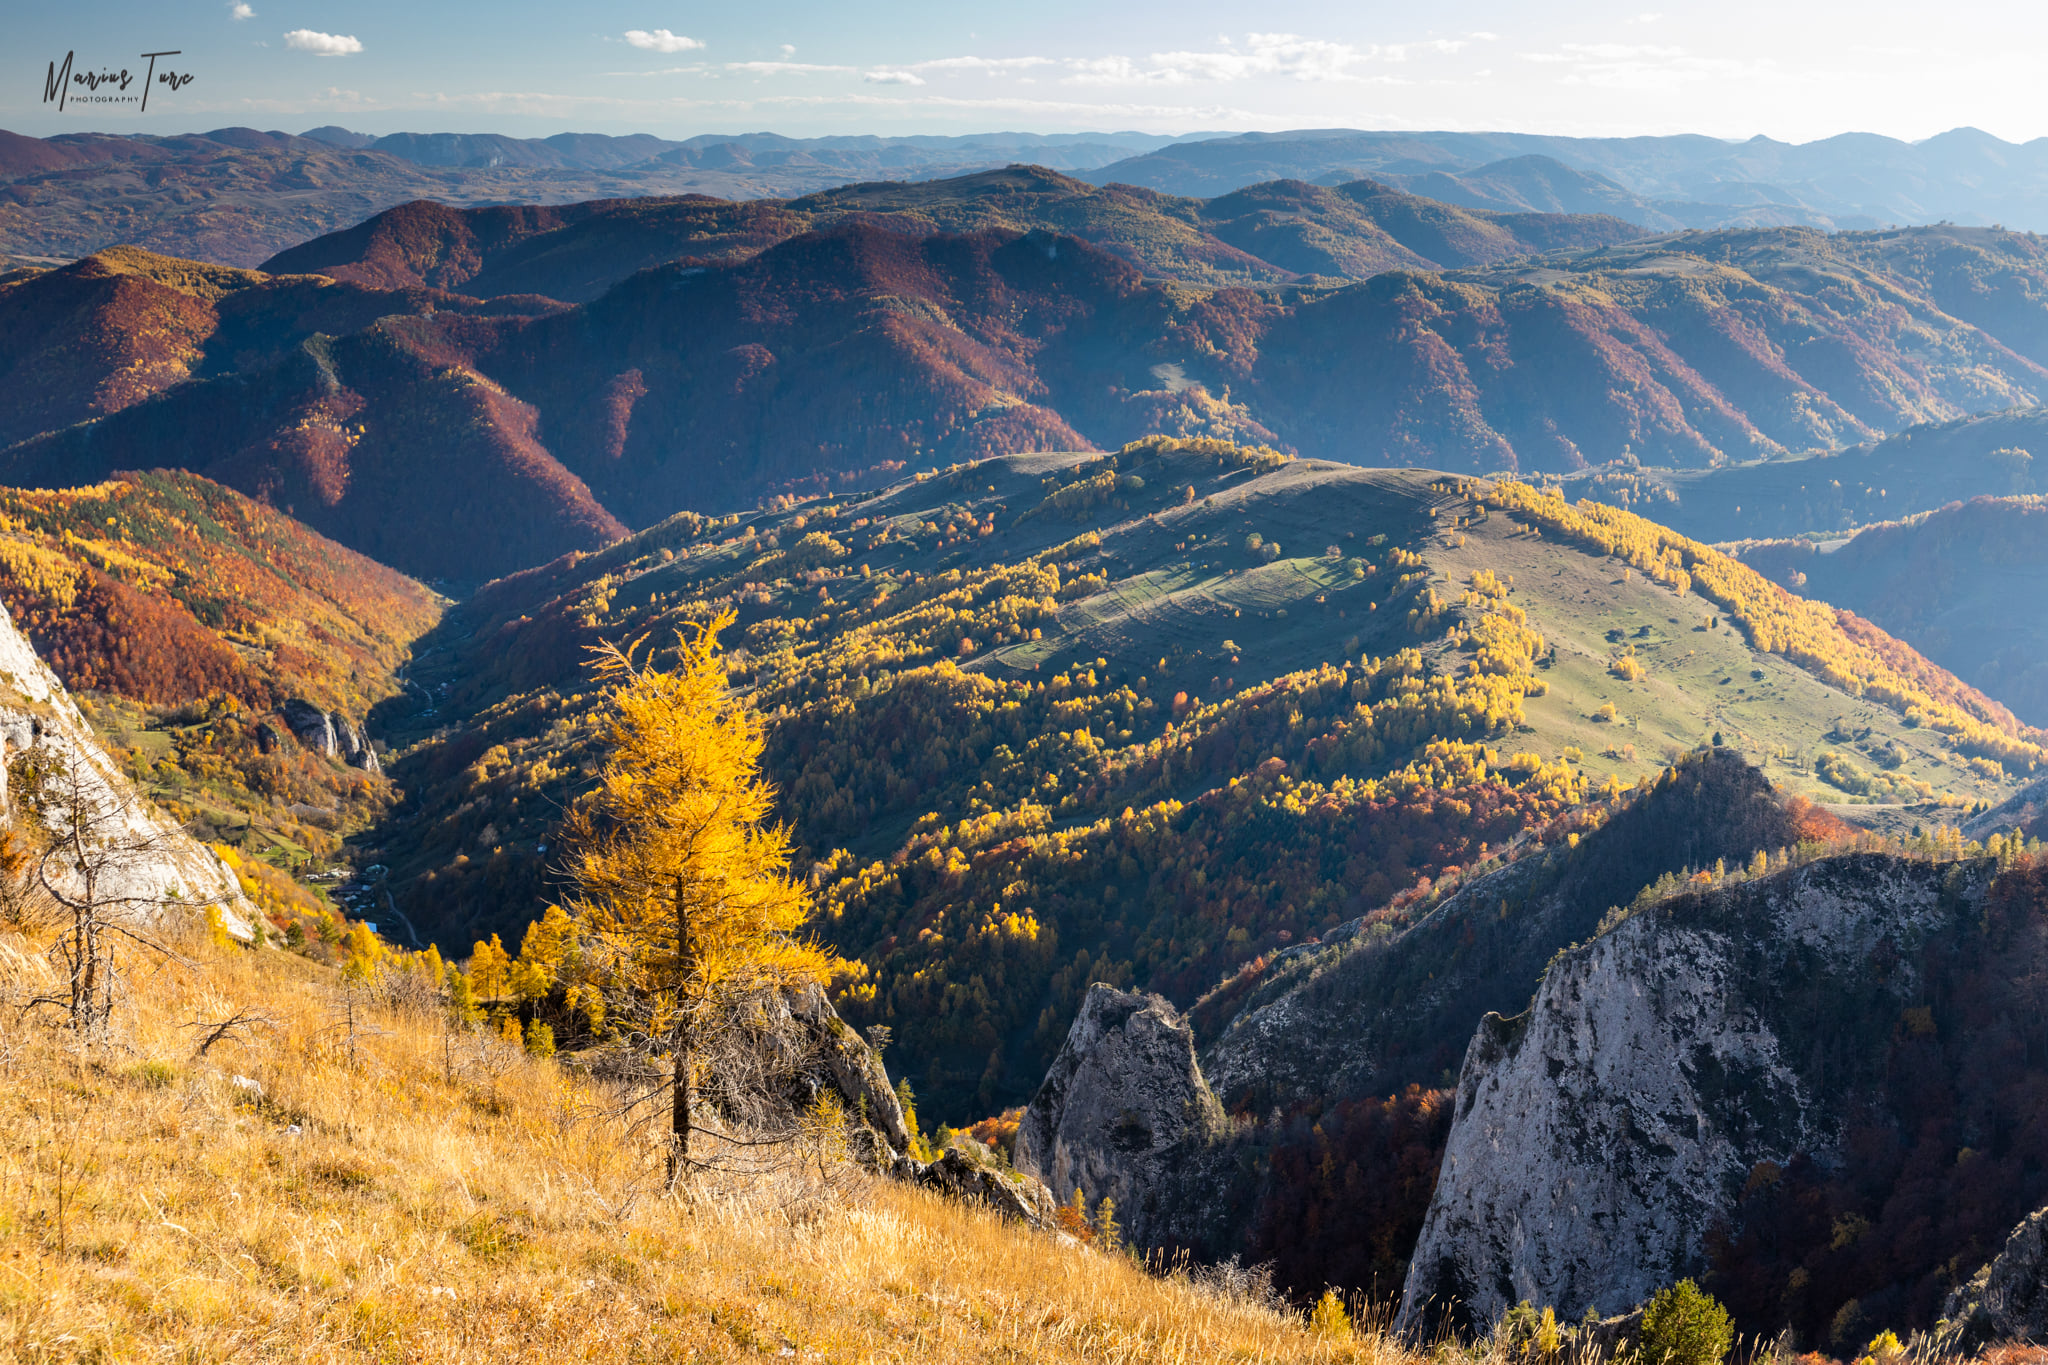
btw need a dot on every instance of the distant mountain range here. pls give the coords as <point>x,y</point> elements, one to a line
<point>818,345</point>
<point>1283,232</point>
<point>237,196</point>
<point>1950,582</point>
<point>1830,496</point>
<point>865,155</point>
<point>1851,181</point>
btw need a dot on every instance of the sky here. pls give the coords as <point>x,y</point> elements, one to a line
<point>1788,70</point>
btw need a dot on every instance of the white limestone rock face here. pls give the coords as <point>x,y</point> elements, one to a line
<point>1599,1135</point>
<point>1123,1108</point>
<point>38,716</point>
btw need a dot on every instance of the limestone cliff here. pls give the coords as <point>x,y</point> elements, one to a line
<point>40,729</point>
<point>1599,1135</point>
<point>1355,1017</point>
<point>1124,1110</point>
<point>1369,1010</point>
<point>329,733</point>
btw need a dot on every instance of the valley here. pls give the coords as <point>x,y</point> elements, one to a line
<point>1075,718</point>
<point>1327,746</point>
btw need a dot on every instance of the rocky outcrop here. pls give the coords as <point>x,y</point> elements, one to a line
<point>1357,1016</point>
<point>801,1036</point>
<point>845,1061</point>
<point>964,1172</point>
<point>329,733</point>
<point>1599,1135</point>
<point>2005,1301</point>
<point>1124,1110</point>
<point>1369,1010</point>
<point>151,865</point>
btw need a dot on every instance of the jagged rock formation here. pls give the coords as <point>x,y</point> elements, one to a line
<point>794,1052</point>
<point>38,720</point>
<point>1123,1108</point>
<point>330,733</point>
<point>1364,1013</point>
<point>1600,1134</point>
<point>1351,1018</point>
<point>2008,1299</point>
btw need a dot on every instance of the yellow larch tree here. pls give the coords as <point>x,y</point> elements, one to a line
<point>683,897</point>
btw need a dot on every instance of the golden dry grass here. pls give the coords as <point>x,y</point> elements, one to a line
<point>446,1199</point>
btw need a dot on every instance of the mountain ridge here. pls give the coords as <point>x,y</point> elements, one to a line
<point>972,676</point>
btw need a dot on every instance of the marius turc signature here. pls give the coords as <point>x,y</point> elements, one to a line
<point>58,85</point>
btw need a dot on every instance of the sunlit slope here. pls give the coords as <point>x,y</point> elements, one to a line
<point>1699,678</point>
<point>1140,718</point>
<point>1959,583</point>
<point>350,1179</point>
<point>166,587</point>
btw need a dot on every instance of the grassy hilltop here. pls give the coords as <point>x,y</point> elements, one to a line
<point>1141,718</point>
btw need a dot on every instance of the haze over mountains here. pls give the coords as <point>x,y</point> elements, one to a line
<point>236,195</point>
<point>1853,180</point>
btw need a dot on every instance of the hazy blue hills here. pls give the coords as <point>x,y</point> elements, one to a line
<point>1853,180</point>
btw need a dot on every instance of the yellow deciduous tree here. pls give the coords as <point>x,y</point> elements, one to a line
<point>549,947</point>
<point>683,897</point>
<point>549,940</point>
<point>490,968</point>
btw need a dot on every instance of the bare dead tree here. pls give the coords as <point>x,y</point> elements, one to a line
<point>240,1021</point>
<point>95,850</point>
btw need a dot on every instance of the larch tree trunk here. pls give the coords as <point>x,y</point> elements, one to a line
<point>679,1125</point>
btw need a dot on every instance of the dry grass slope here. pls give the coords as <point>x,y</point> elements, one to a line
<point>401,1192</point>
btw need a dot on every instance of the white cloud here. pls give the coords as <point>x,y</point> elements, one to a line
<point>1112,71</point>
<point>321,44</point>
<point>1285,55</point>
<point>984,65</point>
<point>892,78</point>
<point>1399,52</point>
<point>1640,66</point>
<point>1578,53</point>
<point>239,9</point>
<point>661,40</point>
<point>783,68</point>
<point>789,49</point>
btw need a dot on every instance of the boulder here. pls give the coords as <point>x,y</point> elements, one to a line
<point>1122,1110</point>
<point>854,1070</point>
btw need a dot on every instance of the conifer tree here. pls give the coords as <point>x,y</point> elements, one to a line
<point>683,897</point>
